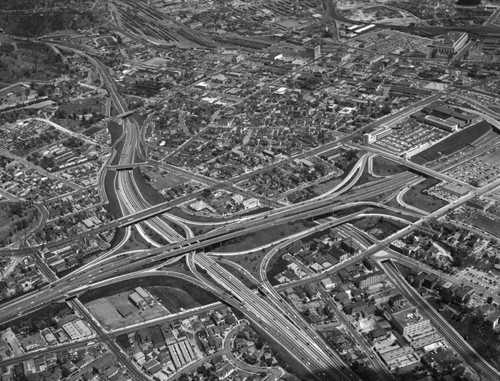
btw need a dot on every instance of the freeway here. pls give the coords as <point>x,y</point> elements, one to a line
<point>152,211</point>
<point>131,200</point>
<point>361,193</point>
<point>450,334</point>
<point>293,338</point>
<point>376,247</point>
<point>109,269</point>
<point>283,323</point>
<point>416,167</point>
<point>111,266</point>
<point>377,363</point>
<point>274,296</point>
<point>419,266</point>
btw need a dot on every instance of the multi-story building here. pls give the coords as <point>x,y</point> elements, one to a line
<point>368,280</point>
<point>372,137</point>
<point>409,322</point>
<point>453,42</point>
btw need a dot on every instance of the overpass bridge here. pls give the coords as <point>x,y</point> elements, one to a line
<point>126,167</point>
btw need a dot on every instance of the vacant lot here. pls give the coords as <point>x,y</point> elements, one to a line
<point>83,106</point>
<point>415,196</point>
<point>174,298</point>
<point>488,224</point>
<point>453,143</point>
<point>200,295</point>
<point>168,181</point>
<point>263,237</point>
<point>105,310</point>
<point>379,227</point>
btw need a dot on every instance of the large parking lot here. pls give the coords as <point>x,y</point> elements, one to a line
<point>480,170</point>
<point>410,136</point>
<point>489,282</point>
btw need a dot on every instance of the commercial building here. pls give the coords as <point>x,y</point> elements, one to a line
<point>409,322</point>
<point>137,300</point>
<point>372,137</point>
<point>368,280</point>
<point>77,330</point>
<point>313,52</point>
<point>443,124</point>
<point>453,42</point>
<point>144,294</point>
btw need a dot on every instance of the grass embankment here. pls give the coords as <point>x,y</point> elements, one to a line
<point>418,198</point>
<point>115,130</point>
<point>263,237</point>
<point>488,224</point>
<point>386,167</point>
<point>379,227</point>
<point>151,195</point>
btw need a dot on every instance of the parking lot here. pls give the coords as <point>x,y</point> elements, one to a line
<point>488,282</point>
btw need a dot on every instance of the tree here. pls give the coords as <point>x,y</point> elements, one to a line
<point>386,109</point>
<point>351,154</point>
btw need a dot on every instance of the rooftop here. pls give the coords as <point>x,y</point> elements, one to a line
<point>408,316</point>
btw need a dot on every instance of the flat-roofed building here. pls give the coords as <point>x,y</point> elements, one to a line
<point>409,322</point>
<point>372,137</point>
<point>137,300</point>
<point>443,124</point>
<point>453,42</point>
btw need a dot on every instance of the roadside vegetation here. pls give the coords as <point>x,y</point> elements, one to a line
<point>263,237</point>
<point>386,167</point>
<point>15,218</point>
<point>418,197</point>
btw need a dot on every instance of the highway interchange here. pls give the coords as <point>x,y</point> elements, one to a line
<point>266,309</point>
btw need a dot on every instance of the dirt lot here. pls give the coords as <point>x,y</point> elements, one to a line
<point>84,106</point>
<point>105,311</point>
<point>173,298</point>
